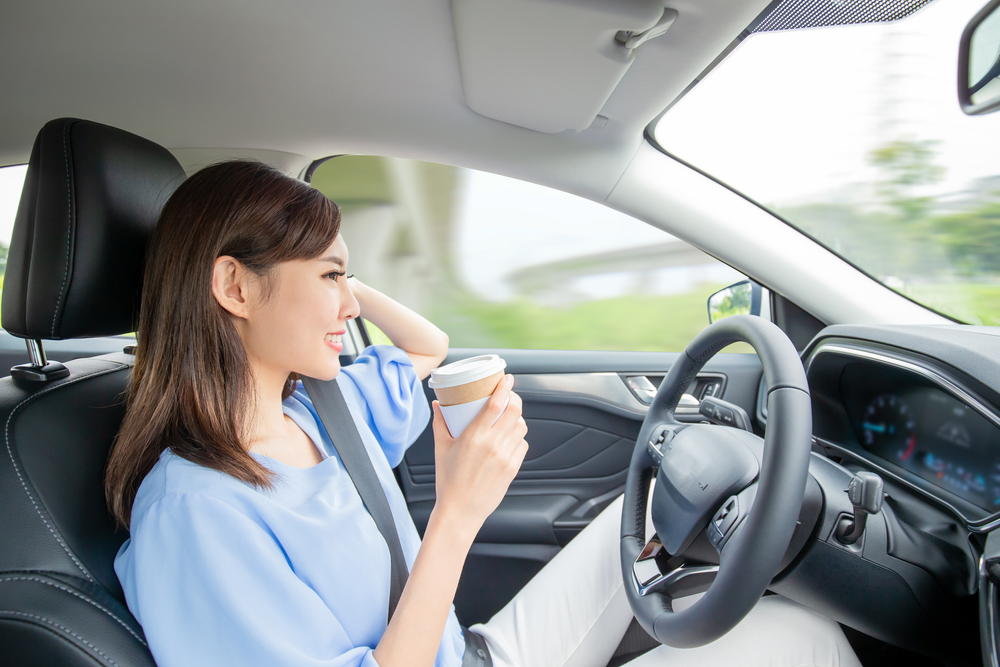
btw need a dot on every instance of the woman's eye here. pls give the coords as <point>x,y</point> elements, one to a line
<point>335,274</point>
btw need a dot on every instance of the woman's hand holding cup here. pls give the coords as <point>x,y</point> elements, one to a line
<point>473,471</point>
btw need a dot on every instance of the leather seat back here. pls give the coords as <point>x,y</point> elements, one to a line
<point>92,195</point>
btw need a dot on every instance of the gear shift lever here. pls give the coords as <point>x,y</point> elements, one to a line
<point>865,492</point>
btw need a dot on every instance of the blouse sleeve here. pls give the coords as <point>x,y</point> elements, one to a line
<point>213,587</point>
<point>383,385</point>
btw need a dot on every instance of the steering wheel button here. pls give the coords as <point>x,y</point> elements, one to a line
<point>727,522</point>
<point>726,517</point>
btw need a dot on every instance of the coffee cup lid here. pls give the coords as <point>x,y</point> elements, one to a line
<point>466,370</point>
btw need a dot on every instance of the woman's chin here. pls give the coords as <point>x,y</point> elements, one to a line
<point>324,367</point>
<point>328,373</point>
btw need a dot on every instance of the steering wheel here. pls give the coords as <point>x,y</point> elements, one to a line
<point>707,479</point>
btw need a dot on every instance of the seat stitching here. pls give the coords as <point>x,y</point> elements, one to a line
<point>69,227</point>
<point>64,629</point>
<point>85,599</point>
<point>24,484</point>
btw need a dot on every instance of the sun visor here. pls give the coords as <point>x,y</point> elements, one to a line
<point>549,65</point>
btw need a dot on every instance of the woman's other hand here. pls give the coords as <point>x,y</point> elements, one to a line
<point>424,343</point>
<point>473,471</point>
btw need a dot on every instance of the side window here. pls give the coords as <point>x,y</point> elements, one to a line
<point>500,263</point>
<point>11,182</point>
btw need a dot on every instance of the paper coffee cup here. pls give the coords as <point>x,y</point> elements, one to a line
<point>464,387</point>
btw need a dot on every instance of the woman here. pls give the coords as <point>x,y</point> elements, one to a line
<point>249,543</point>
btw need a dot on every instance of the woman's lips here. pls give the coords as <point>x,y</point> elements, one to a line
<point>334,341</point>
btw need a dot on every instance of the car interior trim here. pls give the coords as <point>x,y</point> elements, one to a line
<point>984,525</point>
<point>932,375</point>
<point>987,610</point>
<point>589,69</point>
<point>606,390</point>
<point>980,525</point>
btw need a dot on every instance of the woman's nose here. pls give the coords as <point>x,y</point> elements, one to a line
<point>349,308</point>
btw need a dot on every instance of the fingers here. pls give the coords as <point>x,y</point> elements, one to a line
<point>518,454</point>
<point>509,418</point>
<point>499,398</point>
<point>441,432</point>
<point>495,406</point>
<point>499,426</point>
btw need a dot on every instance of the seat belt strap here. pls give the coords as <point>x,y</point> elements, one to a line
<point>336,417</point>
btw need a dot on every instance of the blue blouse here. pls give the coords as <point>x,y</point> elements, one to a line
<point>220,573</point>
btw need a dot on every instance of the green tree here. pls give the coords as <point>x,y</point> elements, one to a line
<point>906,166</point>
<point>972,238</point>
<point>734,300</point>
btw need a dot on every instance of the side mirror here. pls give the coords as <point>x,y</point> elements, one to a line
<point>742,298</point>
<point>979,62</point>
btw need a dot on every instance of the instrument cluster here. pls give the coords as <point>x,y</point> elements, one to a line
<point>910,422</point>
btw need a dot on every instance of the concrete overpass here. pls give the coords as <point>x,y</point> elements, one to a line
<point>543,280</point>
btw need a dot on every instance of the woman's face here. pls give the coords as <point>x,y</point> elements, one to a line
<point>296,326</point>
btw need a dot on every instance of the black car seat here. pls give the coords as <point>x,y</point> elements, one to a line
<point>91,197</point>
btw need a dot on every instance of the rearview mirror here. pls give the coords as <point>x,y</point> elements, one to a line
<point>979,62</point>
<point>742,298</point>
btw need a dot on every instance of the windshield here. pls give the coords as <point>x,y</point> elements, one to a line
<point>854,135</point>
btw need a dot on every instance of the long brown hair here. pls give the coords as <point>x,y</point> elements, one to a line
<point>192,385</point>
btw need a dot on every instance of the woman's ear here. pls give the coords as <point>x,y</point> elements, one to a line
<point>230,286</point>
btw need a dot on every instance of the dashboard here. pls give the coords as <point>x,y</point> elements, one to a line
<point>907,420</point>
<point>919,404</point>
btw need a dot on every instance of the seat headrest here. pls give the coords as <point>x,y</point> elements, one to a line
<point>91,197</point>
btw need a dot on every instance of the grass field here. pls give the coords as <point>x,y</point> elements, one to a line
<point>640,323</point>
<point>974,303</point>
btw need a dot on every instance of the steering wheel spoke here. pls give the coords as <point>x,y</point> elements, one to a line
<point>656,571</point>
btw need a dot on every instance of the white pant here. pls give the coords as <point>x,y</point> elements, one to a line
<point>574,613</point>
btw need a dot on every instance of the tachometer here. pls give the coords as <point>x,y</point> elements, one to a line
<point>889,426</point>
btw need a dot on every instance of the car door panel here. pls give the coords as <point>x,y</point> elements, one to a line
<point>527,519</point>
<point>583,420</point>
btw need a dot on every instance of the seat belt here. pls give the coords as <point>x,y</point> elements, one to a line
<point>336,417</point>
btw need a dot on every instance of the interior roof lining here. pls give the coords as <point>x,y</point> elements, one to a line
<point>236,83</point>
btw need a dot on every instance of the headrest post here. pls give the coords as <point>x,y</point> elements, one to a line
<point>39,369</point>
<point>36,353</point>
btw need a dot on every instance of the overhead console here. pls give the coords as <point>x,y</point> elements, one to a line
<point>550,65</point>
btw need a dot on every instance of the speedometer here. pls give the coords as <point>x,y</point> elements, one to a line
<point>908,424</point>
<point>888,424</point>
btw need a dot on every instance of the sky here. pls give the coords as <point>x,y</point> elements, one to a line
<point>503,225</point>
<point>790,116</point>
